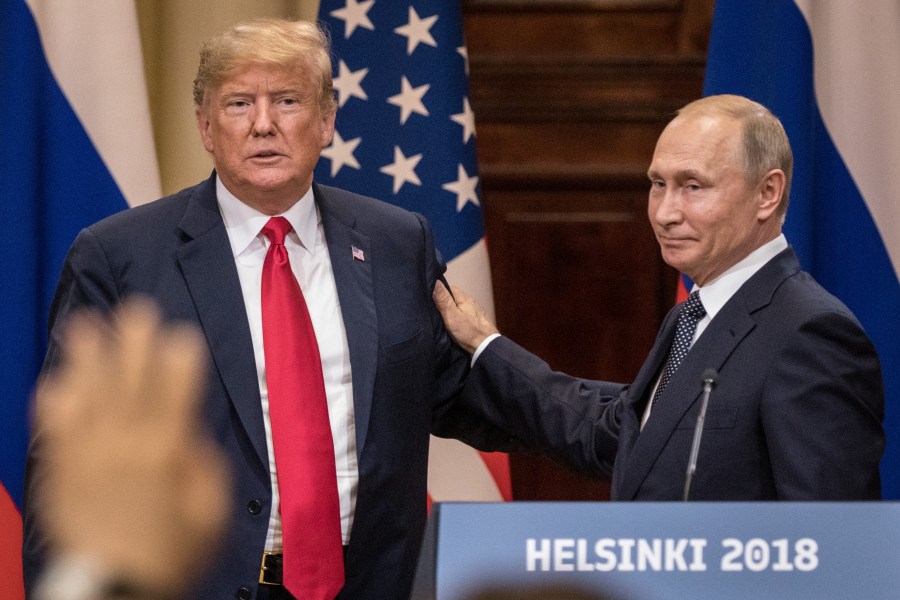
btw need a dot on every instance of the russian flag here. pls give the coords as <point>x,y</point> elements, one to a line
<point>76,143</point>
<point>830,70</point>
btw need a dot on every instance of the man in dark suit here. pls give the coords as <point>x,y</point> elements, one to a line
<point>265,108</point>
<point>797,411</point>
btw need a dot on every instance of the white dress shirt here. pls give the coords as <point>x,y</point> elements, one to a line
<point>311,263</point>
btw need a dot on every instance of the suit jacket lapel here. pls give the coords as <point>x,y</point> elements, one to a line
<point>640,449</point>
<point>711,350</point>
<point>356,293</point>
<point>638,395</point>
<point>211,276</point>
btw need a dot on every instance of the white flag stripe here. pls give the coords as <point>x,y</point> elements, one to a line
<point>96,73</point>
<point>471,271</point>
<point>856,87</point>
<point>450,463</point>
<point>456,472</point>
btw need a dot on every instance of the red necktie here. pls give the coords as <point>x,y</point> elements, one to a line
<point>301,434</point>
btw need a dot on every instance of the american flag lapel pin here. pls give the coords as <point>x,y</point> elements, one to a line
<point>358,254</point>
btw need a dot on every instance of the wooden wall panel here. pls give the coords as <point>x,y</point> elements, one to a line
<point>569,98</point>
<point>577,268</point>
<point>566,28</point>
<point>558,147</point>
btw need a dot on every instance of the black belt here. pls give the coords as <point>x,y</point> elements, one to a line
<point>270,571</point>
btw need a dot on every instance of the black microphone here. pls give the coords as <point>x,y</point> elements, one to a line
<point>709,381</point>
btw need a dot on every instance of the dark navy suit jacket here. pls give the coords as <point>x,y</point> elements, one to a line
<point>796,414</point>
<point>406,371</point>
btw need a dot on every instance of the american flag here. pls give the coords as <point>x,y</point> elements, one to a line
<point>405,133</point>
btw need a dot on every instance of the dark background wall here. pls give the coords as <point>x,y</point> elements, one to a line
<point>569,98</point>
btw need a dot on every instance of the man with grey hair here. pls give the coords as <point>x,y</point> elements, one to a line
<point>330,365</point>
<point>798,405</point>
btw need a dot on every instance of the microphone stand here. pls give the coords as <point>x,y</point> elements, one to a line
<point>709,380</point>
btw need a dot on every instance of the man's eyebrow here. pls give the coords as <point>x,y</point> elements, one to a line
<point>288,90</point>
<point>235,92</point>
<point>251,91</point>
<point>680,174</point>
<point>689,174</point>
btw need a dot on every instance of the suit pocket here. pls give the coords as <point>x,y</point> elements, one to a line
<point>404,350</point>
<point>716,418</point>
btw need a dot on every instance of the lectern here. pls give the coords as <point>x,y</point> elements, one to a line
<point>665,550</point>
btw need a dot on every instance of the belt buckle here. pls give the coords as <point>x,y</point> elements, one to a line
<point>270,570</point>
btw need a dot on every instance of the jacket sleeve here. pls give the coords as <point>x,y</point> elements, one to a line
<point>86,281</point>
<point>822,412</point>
<point>574,421</point>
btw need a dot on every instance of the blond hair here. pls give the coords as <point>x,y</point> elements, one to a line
<point>273,42</point>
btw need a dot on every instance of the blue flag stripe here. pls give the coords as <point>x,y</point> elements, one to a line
<point>54,183</point>
<point>765,51</point>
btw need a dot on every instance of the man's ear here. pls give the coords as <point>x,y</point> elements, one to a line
<point>771,190</point>
<point>327,129</point>
<point>204,124</point>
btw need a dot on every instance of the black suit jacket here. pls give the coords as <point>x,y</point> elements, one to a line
<point>796,414</point>
<point>406,371</point>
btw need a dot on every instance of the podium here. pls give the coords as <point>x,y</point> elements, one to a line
<point>665,550</point>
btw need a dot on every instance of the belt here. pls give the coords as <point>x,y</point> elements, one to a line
<point>270,571</point>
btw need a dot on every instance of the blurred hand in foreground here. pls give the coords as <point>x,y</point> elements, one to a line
<point>130,480</point>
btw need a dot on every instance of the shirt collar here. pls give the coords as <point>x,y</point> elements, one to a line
<point>718,292</point>
<point>244,223</point>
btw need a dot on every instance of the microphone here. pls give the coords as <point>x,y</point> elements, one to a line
<point>709,381</point>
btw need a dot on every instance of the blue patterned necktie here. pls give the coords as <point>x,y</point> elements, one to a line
<point>691,313</point>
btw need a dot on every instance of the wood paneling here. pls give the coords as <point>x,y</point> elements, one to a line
<point>570,97</point>
<point>621,88</point>
<point>567,28</point>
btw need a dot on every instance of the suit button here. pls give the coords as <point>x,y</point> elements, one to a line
<point>254,506</point>
<point>243,594</point>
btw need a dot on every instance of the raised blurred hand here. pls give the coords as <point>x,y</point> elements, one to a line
<point>130,480</point>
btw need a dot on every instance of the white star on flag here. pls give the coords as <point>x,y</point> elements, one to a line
<point>467,119</point>
<point>354,14</point>
<point>341,153</point>
<point>464,52</point>
<point>464,188</point>
<point>417,31</point>
<point>349,83</point>
<point>410,99</point>
<point>402,169</point>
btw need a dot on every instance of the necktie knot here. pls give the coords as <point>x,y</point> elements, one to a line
<point>693,307</point>
<point>276,229</point>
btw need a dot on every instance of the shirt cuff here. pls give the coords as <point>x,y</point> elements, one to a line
<point>73,578</point>
<point>482,346</point>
